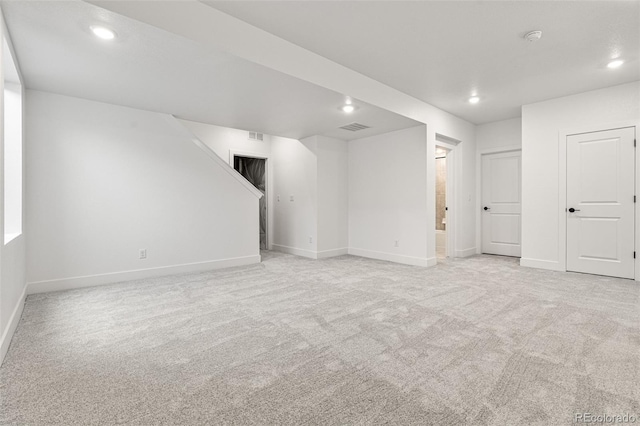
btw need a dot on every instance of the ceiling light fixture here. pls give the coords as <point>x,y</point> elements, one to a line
<point>533,35</point>
<point>102,32</point>
<point>348,108</point>
<point>615,63</point>
<point>474,100</point>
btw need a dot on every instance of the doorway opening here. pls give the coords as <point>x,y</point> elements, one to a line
<point>445,226</point>
<point>441,203</point>
<point>254,170</point>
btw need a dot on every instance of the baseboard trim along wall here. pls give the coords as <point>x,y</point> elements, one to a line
<point>332,253</point>
<point>466,252</point>
<point>392,257</point>
<point>114,277</point>
<point>296,251</point>
<point>7,335</point>
<point>541,264</point>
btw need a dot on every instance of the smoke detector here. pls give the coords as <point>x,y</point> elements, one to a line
<point>533,35</point>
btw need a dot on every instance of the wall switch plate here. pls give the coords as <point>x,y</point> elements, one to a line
<point>290,197</point>
<point>310,240</point>
<point>397,244</point>
<point>142,254</point>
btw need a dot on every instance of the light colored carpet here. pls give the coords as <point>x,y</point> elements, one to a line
<point>339,341</point>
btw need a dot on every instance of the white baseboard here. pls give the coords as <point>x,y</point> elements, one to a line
<point>296,251</point>
<point>332,253</point>
<point>432,261</point>
<point>465,253</point>
<point>541,264</point>
<point>392,257</point>
<point>114,277</point>
<point>14,319</point>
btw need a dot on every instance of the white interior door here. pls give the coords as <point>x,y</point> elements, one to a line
<point>600,202</point>
<point>501,203</point>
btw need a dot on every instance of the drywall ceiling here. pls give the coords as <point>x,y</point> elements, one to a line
<point>443,51</point>
<point>151,69</point>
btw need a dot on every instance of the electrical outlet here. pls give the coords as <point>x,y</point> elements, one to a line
<point>310,240</point>
<point>290,197</point>
<point>397,244</point>
<point>142,254</point>
<point>277,198</point>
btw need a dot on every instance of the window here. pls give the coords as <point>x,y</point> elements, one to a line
<point>12,147</point>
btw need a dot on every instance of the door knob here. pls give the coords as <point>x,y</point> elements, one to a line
<point>572,210</point>
<point>486,208</point>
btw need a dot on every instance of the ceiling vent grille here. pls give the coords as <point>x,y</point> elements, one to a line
<point>255,136</point>
<point>354,127</point>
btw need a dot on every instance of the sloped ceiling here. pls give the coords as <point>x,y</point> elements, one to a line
<point>151,69</point>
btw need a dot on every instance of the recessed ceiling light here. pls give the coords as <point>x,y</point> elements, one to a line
<point>348,108</point>
<point>102,32</point>
<point>474,100</point>
<point>615,64</point>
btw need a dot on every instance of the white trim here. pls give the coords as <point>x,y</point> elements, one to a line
<point>332,253</point>
<point>295,251</point>
<point>250,154</point>
<point>14,319</point>
<point>466,252</point>
<point>392,257</point>
<point>479,154</point>
<point>550,265</point>
<point>211,154</point>
<point>446,140</point>
<point>114,277</point>
<point>497,149</point>
<point>562,185</point>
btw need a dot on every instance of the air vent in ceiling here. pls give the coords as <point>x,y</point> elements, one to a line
<point>354,127</point>
<point>255,136</point>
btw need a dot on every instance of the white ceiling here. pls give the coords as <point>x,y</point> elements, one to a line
<point>443,51</point>
<point>151,69</point>
<point>438,51</point>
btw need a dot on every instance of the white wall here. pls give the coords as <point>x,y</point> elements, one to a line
<point>499,134</point>
<point>105,181</point>
<point>319,209</point>
<point>333,196</point>
<point>224,141</point>
<point>464,192</point>
<point>248,42</point>
<point>388,197</point>
<point>295,174</point>
<point>542,124</point>
<point>12,255</point>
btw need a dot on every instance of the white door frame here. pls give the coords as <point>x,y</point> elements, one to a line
<point>452,160</point>
<point>268,186</point>
<point>562,186</point>
<point>479,154</point>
